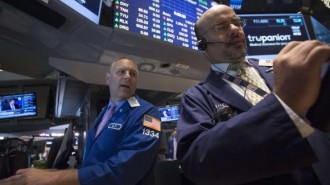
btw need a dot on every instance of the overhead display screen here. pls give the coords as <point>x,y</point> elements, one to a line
<point>167,20</point>
<point>91,9</point>
<point>267,34</point>
<point>169,113</point>
<point>18,105</point>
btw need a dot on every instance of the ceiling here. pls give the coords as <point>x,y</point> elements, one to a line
<point>36,53</point>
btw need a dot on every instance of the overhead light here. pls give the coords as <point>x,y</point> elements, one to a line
<point>108,3</point>
<point>45,1</point>
<point>57,134</point>
<point>147,67</point>
<point>182,66</point>
<point>44,135</point>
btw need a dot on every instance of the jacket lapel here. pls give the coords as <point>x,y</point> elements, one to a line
<point>224,92</point>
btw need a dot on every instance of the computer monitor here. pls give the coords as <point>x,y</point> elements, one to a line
<point>169,113</point>
<point>18,105</point>
<point>321,32</point>
<point>64,149</point>
<point>91,9</point>
<point>267,34</point>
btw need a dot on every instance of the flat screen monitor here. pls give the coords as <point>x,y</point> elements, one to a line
<point>321,32</point>
<point>18,105</point>
<point>167,20</point>
<point>267,34</point>
<point>169,113</point>
<point>91,9</point>
<point>264,6</point>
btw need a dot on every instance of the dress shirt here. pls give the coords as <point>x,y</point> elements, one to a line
<point>118,104</point>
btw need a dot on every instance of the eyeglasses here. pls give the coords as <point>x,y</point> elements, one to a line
<point>224,26</point>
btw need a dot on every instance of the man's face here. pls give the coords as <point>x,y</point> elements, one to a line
<point>221,24</point>
<point>122,79</point>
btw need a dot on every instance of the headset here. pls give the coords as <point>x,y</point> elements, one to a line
<point>202,42</point>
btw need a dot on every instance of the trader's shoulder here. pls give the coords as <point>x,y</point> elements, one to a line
<point>143,106</point>
<point>195,90</point>
<point>143,103</point>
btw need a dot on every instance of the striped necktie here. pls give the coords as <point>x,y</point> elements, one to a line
<point>245,74</point>
<point>107,115</point>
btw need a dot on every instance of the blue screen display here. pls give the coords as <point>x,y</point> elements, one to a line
<point>91,9</point>
<point>169,113</point>
<point>18,105</point>
<point>267,34</point>
<point>167,20</point>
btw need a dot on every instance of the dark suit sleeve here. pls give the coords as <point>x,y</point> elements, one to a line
<point>5,106</point>
<point>17,106</point>
<point>320,143</point>
<point>256,144</point>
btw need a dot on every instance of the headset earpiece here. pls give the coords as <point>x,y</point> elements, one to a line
<point>201,41</point>
<point>202,44</point>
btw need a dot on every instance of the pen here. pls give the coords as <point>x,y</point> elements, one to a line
<point>269,70</point>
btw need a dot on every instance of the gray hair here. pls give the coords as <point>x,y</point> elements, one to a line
<point>120,58</point>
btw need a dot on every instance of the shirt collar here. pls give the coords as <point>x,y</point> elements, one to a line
<point>223,68</point>
<point>220,67</point>
<point>118,104</point>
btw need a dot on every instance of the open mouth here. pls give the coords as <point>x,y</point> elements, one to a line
<point>124,86</point>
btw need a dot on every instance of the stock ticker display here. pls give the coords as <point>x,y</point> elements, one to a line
<point>167,20</point>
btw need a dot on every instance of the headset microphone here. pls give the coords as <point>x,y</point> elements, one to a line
<point>202,43</point>
<point>217,42</point>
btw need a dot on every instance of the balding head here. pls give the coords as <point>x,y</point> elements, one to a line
<point>209,17</point>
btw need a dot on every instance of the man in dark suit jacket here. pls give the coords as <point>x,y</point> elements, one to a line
<point>10,104</point>
<point>225,138</point>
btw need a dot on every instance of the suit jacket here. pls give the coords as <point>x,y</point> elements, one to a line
<point>125,150</point>
<point>259,146</point>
